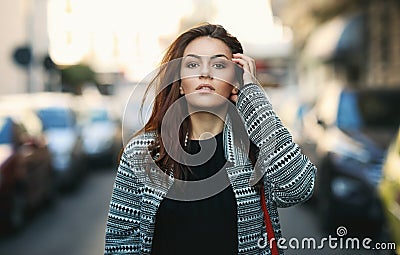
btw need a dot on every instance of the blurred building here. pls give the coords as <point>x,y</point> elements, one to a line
<point>23,27</point>
<point>354,43</point>
<point>384,43</point>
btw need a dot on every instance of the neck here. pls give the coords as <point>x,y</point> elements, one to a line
<point>205,125</point>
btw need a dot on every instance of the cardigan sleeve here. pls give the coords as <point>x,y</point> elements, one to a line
<point>122,231</point>
<point>289,172</point>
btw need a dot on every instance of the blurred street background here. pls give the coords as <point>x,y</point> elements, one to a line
<point>71,84</point>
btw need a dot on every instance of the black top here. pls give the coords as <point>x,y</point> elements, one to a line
<point>206,226</point>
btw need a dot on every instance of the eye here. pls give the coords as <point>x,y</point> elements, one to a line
<point>192,65</point>
<point>218,65</point>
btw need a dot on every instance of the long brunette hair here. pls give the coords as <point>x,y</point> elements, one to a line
<point>166,83</point>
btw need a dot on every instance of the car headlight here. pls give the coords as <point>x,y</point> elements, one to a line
<point>347,189</point>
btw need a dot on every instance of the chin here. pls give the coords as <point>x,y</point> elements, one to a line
<point>214,106</point>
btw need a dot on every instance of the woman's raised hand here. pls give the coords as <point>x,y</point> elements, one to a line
<point>249,71</point>
<point>249,67</point>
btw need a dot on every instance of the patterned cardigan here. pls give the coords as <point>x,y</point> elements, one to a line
<point>288,178</point>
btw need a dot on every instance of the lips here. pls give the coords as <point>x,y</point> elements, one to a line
<point>205,87</point>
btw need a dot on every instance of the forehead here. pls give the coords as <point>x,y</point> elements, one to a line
<point>207,46</point>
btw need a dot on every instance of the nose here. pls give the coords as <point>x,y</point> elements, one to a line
<point>205,72</point>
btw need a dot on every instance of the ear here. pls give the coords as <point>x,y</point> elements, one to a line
<point>235,89</point>
<point>181,90</point>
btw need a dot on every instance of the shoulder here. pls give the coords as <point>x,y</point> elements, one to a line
<point>137,160</point>
<point>136,156</point>
<point>139,144</point>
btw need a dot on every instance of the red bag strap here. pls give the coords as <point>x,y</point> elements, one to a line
<point>268,224</point>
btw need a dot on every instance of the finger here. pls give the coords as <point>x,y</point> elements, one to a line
<point>248,75</point>
<point>245,57</point>
<point>245,65</point>
<point>251,61</point>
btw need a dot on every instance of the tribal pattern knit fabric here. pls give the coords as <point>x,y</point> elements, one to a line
<point>288,178</point>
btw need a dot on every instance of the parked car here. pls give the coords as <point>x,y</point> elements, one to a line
<point>101,134</point>
<point>26,174</point>
<point>389,191</point>
<point>346,135</point>
<point>65,144</point>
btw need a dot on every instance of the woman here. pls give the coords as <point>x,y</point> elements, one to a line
<point>193,180</point>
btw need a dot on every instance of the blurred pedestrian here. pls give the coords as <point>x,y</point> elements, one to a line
<point>212,164</point>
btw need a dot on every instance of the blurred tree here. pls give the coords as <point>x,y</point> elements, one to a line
<point>23,56</point>
<point>48,63</point>
<point>74,77</point>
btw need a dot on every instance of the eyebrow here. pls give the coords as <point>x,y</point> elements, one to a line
<point>212,57</point>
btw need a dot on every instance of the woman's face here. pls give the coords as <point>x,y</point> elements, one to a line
<point>207,73</point>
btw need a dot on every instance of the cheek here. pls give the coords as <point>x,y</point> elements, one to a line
<point>226,75</point>
<point>225,82</point>
<point>188,84</point>
<point>224,89</point>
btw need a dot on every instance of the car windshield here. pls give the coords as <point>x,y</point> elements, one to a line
<point>365,109</point>
<point>98,115</point>
<point>5,130</point>
<point>56,118</point>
